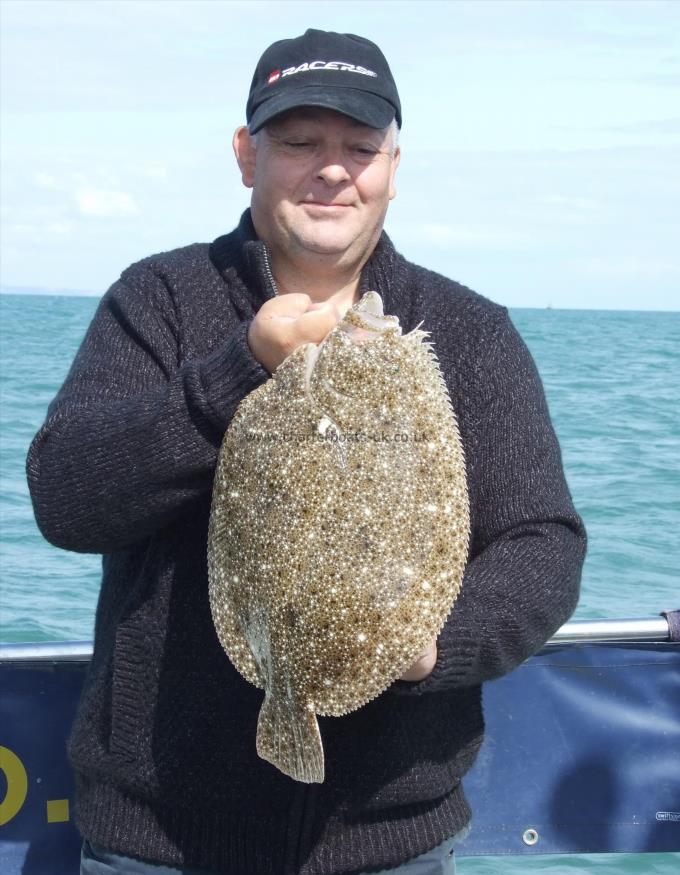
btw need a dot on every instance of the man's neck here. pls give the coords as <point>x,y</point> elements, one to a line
<point>322,282</point>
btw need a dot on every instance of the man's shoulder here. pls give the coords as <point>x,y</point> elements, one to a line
<point>444,298</point>
<point>170,264</point>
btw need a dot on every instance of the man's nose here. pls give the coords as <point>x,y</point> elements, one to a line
<point>331,168</point>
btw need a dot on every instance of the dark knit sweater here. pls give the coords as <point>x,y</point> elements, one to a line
<point>163,744</point>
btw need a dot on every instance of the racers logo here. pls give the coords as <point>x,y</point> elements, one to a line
<point>342,66</point>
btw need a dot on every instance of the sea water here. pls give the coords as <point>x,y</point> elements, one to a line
<point>612,381</point>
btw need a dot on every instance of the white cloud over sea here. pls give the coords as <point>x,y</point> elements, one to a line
<point>105,204</point>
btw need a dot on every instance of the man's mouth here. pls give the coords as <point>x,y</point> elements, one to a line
<point>326,205</point>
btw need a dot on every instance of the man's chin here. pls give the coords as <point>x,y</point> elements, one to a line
<point>324,245</point>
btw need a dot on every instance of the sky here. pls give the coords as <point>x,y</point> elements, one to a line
<point>540,144</point>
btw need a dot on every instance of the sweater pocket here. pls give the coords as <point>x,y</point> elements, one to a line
<point>133,695</point>
<point>137,655</point>
<point>397,751</point>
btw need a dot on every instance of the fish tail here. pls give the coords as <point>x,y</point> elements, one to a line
<point>288,737</point>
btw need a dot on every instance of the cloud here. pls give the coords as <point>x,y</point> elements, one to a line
<point>576,203</point>
<point>154,171</point>
<point>105,204</point>
<point>469,237</point>
<point>46,180</point>
<point>22,228</point>
<point>62,228</point>
<point>641,126</point>
<point>628,268</point>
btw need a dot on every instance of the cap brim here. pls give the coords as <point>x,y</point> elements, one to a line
<point>369,109</point>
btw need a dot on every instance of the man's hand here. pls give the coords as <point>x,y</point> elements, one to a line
<point>423,667</point>
<point>286,322</point>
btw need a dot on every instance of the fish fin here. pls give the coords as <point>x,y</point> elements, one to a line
<point>288,737</point>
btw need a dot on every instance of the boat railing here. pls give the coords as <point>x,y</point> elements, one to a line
<point>592,631</point>
<point>601,631</point>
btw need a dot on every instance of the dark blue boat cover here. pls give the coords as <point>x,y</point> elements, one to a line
<point>582,755</point>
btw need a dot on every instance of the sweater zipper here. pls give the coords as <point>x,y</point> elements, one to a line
<point>300,827</point>
<point>268,269</point>
<point>294,832</point>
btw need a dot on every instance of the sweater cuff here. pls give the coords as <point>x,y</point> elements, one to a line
<point>456,654</point>
<point>228,374</point>
<point>673,618</point>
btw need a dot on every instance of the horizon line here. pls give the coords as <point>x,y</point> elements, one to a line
<point>40,292</point>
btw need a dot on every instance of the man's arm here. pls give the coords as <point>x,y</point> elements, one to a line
<point>131,438</point>
<point>528,543</point>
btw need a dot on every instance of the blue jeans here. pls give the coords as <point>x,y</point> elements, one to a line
<point>95,860</point>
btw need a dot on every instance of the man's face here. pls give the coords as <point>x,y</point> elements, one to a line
<point>321,184</point>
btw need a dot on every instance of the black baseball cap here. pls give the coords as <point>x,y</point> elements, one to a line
<point>339,71</point>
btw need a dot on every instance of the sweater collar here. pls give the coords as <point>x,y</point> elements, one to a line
<point>241,255</point>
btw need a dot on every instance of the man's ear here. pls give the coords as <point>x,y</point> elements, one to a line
<point>245,152</point>
<point>395,164</point>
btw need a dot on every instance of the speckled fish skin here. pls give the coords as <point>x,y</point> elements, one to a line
<point>339,528</point>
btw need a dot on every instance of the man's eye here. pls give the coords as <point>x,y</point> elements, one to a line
<point>365,151</point>
<point>297,144</point>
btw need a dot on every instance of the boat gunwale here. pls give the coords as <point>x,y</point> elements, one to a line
<point>587,631</point>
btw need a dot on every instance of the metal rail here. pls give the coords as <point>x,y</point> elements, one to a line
<point>601,631</point>
<point>573,632</point>
<point>50,651</point>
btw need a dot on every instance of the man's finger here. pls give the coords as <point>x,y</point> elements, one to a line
<point>292,304</point>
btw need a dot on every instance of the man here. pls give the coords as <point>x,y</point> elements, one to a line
<point>163,743</point>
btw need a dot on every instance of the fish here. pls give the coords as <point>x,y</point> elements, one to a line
<point>339,527</point>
